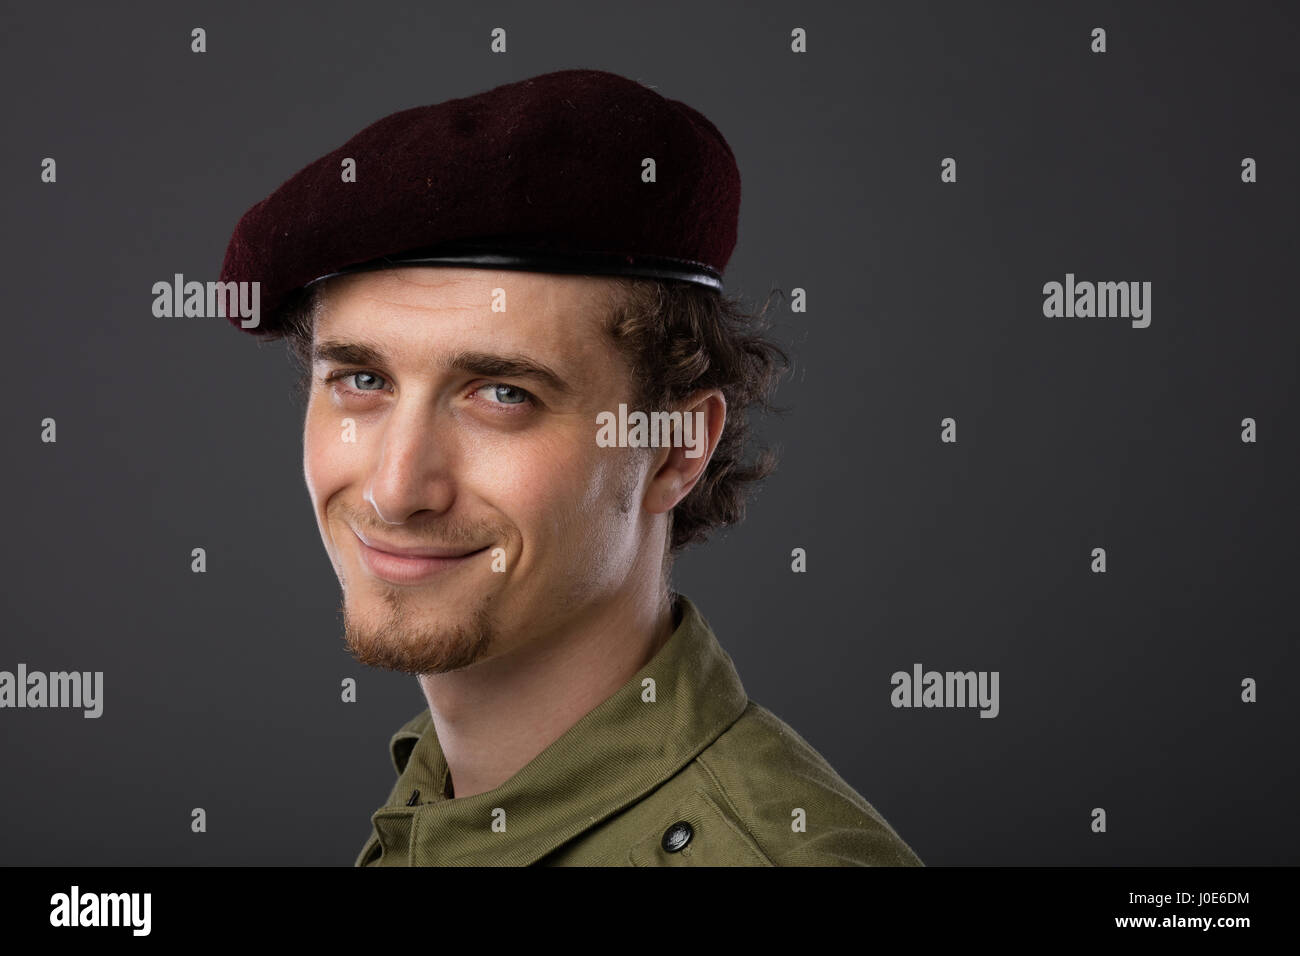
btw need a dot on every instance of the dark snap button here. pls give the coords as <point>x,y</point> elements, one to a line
<point>677,836</point>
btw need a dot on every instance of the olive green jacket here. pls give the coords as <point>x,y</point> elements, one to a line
<point>677,768</point>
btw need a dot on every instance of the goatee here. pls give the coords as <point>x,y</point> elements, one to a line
<point>402,642</point>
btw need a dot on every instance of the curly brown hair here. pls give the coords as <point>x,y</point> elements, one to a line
<point>677,337</point>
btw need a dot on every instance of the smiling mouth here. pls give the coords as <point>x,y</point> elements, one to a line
<point>412,568</point>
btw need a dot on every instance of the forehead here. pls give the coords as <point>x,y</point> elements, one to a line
<point>419,311</point>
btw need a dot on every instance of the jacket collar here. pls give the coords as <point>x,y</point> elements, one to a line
<point>651,727</point>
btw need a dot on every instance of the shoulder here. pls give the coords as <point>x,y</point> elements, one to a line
<point>792,803</point>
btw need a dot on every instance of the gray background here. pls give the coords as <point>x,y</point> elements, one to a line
<point>1118,690</point>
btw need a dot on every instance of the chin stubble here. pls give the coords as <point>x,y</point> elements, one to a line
<point>402,642</point>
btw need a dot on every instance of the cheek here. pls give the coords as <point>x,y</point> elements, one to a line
<point>611,494</point>
<point>560,493</point>
<point>324,458</point>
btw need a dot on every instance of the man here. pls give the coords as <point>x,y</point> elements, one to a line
<point>488,292</point>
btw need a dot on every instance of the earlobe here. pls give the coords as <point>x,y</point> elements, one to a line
<point>671,495</point>
<point>664,488</point>
<point>659,497</point>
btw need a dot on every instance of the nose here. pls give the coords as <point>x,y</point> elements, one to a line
<point>414,470</point>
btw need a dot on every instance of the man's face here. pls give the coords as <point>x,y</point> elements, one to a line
<point>450,455</point>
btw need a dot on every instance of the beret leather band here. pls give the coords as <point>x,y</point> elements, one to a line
<point>480,255</point>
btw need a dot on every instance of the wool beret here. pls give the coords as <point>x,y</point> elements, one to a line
<point>547,174</point>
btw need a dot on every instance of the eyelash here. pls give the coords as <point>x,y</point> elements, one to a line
<point>529,398</point>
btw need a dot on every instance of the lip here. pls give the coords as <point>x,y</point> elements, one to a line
<point>376,545</point>
<point>403,565</point>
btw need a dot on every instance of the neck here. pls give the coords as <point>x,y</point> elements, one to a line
<point>495,716</point>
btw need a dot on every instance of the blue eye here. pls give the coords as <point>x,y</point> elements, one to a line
<point>360,381</point>
<point>503,394</point>
<point>357,381</point>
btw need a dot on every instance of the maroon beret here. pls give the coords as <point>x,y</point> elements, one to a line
<point>544,174</point>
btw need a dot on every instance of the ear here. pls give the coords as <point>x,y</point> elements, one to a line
<point>677,468</point>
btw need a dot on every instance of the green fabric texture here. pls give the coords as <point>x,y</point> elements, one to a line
<point>608,790</point>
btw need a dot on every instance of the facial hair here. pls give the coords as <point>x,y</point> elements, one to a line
<point>401,641</point>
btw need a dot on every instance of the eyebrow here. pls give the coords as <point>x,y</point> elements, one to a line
<point>471,362</point>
